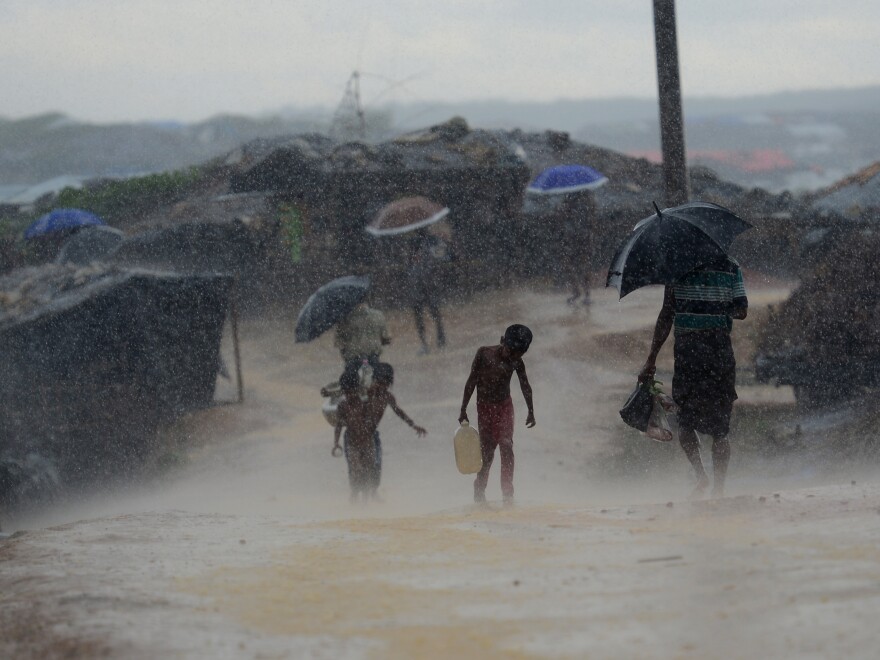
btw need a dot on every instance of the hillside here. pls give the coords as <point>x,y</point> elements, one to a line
<point>38,148</point>
<point>798,140</point>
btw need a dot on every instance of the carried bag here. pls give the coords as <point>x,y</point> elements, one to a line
<point>638,407</point>
<point>646,410</point>
<point>658,424</point>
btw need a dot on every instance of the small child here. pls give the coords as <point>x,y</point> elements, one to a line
<point>491,372</point>
<point>360,418</point>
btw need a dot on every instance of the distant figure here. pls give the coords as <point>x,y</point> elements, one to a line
<point>361,335</point>
<point>577,214</point>
<point>491,371</point>
<point>360,417</point>
<point>422,283</point>
<point>701,306</point>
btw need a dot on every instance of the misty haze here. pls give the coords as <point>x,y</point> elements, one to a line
<point>380,330</point>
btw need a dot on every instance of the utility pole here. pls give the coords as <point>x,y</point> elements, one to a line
<point>675,178</point>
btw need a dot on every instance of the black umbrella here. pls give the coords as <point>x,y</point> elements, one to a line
<point>329,305</point>
<point>673,242</point>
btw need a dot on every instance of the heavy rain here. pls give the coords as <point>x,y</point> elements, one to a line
<point>381,330</point>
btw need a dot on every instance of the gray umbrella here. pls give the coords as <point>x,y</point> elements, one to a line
<point>329,305</point>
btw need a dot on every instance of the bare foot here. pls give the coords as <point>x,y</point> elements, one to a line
<point>717,491</point>
<point>699,491</point>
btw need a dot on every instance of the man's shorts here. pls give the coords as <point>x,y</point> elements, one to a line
<point>704,381</point>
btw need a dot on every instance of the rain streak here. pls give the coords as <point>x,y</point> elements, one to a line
<point>445,381</point>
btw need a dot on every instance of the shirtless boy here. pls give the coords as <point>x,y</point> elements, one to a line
<point>363,446</point>
<point>491,372</point>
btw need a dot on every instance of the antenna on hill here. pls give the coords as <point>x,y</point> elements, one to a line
<point>349,119</point>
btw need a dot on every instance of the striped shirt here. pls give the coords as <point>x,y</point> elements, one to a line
<point>704,298</point>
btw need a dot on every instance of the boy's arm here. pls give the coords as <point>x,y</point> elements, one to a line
<point>527,392</point>
<point>336,433</point>
<point>337,430</point>
<point>469,387</point>
<point>740,302</point>
<point>399,412</point>
<point>661,331</point>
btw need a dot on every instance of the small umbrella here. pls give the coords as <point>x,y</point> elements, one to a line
<point>673,242</point>
<point>59,220</point>
<point>406,215</point>
<point>329,305</point>
<point>565,179</point>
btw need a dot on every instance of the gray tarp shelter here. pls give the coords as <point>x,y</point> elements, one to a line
<point>94,359</point>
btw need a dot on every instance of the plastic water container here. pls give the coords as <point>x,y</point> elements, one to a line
<point>333,394</point>
<point>468,457</point>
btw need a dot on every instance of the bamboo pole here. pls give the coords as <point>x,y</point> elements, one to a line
<point>233,317</point>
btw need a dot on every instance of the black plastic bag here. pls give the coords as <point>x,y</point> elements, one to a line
<point>637,410</point>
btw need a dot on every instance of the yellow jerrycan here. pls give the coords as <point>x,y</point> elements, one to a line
<point>468,457</point>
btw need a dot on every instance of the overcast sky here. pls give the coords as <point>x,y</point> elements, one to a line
<point>108,60</point>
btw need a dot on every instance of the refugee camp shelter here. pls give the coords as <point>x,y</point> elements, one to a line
<point>337,188</point>
<point>95,359</point>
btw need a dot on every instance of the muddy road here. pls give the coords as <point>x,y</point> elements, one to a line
<point>245,544</point>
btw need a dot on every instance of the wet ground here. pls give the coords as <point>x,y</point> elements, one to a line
<point>247,546</point>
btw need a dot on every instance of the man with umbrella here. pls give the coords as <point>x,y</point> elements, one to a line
<point>361,336</point>
<point>701,307</point>
<point>422,282</point>
<point>567,189</point>
<point>361,331</point>
<point>685,249</point>
<point>419,219</point>
<point>578,218</point>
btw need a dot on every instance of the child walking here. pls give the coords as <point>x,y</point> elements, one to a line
<point>361,417</point>
<point>491,372</point>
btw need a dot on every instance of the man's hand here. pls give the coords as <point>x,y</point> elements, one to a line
<point>646,375</point>
<point>463,417</point>
<point>530,420</point>
<point>337,450</point>
<point>420,430</point>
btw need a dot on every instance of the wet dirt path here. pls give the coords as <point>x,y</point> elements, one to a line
<point>250,548</point>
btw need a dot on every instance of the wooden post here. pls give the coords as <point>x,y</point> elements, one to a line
<point>675,177</point>
<point>233,318</point>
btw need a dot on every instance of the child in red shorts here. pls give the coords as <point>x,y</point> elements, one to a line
<point>491,372</point>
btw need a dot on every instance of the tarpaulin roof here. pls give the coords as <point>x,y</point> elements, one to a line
<point>852,197</point>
